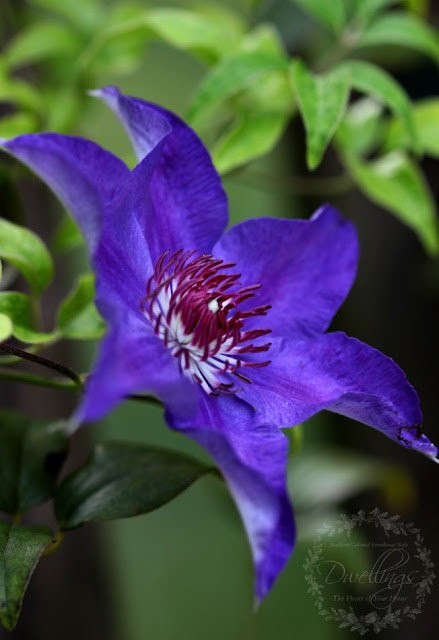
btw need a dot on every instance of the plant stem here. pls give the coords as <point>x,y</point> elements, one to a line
<point>45,362</point>
<point>27,378</point>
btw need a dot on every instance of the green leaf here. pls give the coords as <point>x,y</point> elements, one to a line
<point>17,124</point>
<point>426,117</point>
<point>371,80</point>
<point>31,454</point>
<point>322,102</point>
<point>121,480</point>
<point>24,249</point>
<point>20,550</point>
<point>365,10</point>
<point>85,14</point>
<point>77,316</point>
<point>230,77</point>
<point>254,135</point>
<point>403,29</point>
<point>330,13</point>
<point>20,93</point>
<point>395,182</point>
<point>5,327</point>
<point>62,108</point>
<point>18,308</point>
<point>361,130</point>
<point>67,236</point>
<point>41,41</point>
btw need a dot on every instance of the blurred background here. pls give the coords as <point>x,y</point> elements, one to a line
<point>185,570</point>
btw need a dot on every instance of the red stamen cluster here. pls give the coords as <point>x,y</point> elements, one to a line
<point>193,307</point>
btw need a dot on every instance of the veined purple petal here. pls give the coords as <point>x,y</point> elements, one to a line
<point>253,459</point>
<point>343,375</point>
<point>305,268</point>
<point>133,361</point>
<point>185,204</point>
<point>85,177</point>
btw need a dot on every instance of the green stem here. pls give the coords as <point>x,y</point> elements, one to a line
<point>45,362</point>
<point>27,378</point>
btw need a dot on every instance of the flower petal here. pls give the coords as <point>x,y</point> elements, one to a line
<point>133,360</point>
<point>84,176</point>
<point>253,460</point>
<point>185,204</point>
<point>305,267</point>
<point>343,375</point>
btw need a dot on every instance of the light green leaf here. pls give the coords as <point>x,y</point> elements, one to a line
<point>122,480</point>
<point>331,13</point>
<point>62,108</point>
<point>403,29</point>
<point>41,41</point>
<point>5,327</point>
<point>78,318</point>
<point>231,76</point>
<point>395,182</point>
<point>20,550</point>
<point>371,80</point>
<point>365,10</point>
<point>31,455</point>
<point>17,124</point>
<point>18,308</point>
<point>85,14</point>
<point>20,93</point>
<point>254,135</point>
<point>24,249</point>
<point>67,236</point>
<point>426,116</point>
<point>322,102</point>
<point>361,130</point>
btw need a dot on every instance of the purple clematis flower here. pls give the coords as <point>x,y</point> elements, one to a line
<point>227,329</point>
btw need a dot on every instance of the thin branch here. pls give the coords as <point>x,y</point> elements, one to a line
<point>45,362</point>
<point>28,378</point>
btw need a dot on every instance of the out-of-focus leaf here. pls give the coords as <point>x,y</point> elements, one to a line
<point>322,102</point>
<point>85,14</point>
<point>17,124</point>
<point>403,29</point>
<point>62,108</point>
<point>330,13</point>
<point>418,6</point>
<point>327,478</point>
<point>18,308</point>
<point>31,455</point>
<point>24,249</point>
<point>121,480</point>
<point>5,327</point>
<point>78,318</point>
<point>254,135</point>
<point>395,182</point>
<point>231,76</point>
<point>19,93</point>
<point>361,130</point>
<point>365,10</point>
<point>181,28</point>
<point>67,236</point>
<point>371,80</point>
<point>20,550</point>
<point>41,41</point>
<point>426,116</point>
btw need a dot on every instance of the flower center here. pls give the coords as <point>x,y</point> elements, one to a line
<point>194,308</point>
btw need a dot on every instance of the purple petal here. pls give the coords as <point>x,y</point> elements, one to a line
<point>185,204</point>
<point>133,360</point>
<point>253,459</point>
<point>343,375</point>
<point>84,176</point>
<point>305,267</point>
